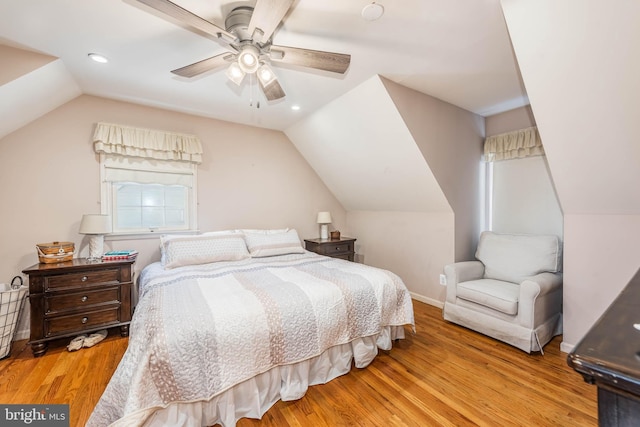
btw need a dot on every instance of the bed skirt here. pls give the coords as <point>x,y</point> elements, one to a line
<point>253,397</point>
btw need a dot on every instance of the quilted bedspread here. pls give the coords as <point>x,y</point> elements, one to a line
<point>199,330</point>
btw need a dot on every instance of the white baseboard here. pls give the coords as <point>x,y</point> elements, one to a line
<point>565,347</point>
<point>426,300</point>
<point>21,335</point>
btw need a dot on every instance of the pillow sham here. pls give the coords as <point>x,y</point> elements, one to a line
<point>178,251</point>
<point>262,244</point>
<point>263,231</point>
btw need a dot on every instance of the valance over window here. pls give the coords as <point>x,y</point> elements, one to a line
<point>513,145</point>
<point>146,143</point>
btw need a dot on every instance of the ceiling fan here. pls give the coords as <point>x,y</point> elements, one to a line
<point>248,35</point>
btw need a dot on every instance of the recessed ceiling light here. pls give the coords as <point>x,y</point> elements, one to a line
<point>372,11</point>
<point>98,58</point>
<point>295,107</point>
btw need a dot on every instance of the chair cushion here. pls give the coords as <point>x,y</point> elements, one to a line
<point>495,294</point>
<point>514,257</point>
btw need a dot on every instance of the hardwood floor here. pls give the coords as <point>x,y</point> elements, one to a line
<point>444,375</point>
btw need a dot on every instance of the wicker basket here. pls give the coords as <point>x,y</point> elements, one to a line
<point>53,252</point>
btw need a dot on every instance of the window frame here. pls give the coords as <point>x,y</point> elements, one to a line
<point>108,203</point>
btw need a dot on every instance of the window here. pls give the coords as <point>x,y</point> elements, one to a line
<point>144,196</point>
<point>147,186</point>
<point>150,206</point>
<point>520,194</point>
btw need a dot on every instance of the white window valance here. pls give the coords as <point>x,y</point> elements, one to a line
<point>117,168</point>
<point>146,143</point>
<point>513,145</point>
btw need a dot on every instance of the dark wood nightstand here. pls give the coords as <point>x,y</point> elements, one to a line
<point>78,296</point>
<point>343,248</point>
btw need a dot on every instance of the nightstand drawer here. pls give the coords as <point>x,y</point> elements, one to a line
<point>336,249</point>
<point>78,280</point>
<point>80,300</point>
<point>78,322</point>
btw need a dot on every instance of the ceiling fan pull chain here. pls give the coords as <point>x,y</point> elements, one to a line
<point>250,90</point>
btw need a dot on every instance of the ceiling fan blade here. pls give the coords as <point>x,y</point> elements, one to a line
<point>192,21</point>
<point>204,65</point>
<point>328,61</point>
<point>266,16</point>
<point>273,90</point>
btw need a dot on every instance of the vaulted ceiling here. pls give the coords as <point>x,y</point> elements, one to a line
<point>455,50</point>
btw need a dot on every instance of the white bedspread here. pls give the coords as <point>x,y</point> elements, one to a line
<point>199,331</point>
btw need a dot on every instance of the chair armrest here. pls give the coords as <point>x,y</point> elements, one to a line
<point>548,282</point>
<point>533,297</point>
<point>461,272</point>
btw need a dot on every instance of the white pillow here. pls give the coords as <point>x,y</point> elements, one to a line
<point>180,250</point>
<point>263,231</point>
<point>261,244</point>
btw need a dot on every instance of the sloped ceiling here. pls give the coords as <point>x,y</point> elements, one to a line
<point>455,50</point>
<point>591,136</point>
<point>31,85</point>
<point>365,154</point>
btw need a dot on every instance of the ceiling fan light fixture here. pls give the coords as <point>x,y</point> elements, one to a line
<point>265,75</point>
<point>248,59</point>
<point>235,73</point>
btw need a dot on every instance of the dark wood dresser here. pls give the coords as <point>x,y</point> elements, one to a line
<point>609,357</point>
<point>343,248</point>
<point>78,296</point>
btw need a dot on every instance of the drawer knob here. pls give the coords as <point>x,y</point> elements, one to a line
<point>85,320</point>
<point>84,298</point>
<point>84,278</point>
<point>337,248</point>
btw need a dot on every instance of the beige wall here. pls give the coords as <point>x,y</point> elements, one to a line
<point>414,245</point>
<point>518,118</point>
<point>580,61</point>
<point>450,140</point>
<point>17,62</point>
<point>49,175</point>
<point>406,167</point>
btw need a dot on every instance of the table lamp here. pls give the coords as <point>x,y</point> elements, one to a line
<point>324,219</point>
<point>96,226</point>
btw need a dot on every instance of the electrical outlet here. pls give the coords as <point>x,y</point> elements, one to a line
<point>443,280</point>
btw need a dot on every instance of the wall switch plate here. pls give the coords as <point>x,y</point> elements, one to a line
<point>443,280</point>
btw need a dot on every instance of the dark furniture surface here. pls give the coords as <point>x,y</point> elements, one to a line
<point>343,248</point>
<point>609,357</point>
<point>78,296</point>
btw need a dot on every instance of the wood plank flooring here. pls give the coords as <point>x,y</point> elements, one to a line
<point>444,375</point>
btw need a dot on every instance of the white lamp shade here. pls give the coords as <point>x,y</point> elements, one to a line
<point>95,224</point>
<point>266,75</point>
<point>324,218</point>
<point>248,59</point>
<point>235,73</point>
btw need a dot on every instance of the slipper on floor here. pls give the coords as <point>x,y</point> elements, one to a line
<point>76,343</point>
<point>95,338</point>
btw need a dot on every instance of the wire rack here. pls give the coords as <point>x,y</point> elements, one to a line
<point>11,300</point>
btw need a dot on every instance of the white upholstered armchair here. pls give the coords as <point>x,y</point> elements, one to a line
<point>512,292</point>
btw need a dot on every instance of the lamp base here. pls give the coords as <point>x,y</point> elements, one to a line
<point>324,231</point>
<point>96,244</point>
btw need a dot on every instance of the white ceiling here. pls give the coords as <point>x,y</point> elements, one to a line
<point>455,50</point>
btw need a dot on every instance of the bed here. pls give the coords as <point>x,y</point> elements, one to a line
<point>228,323</point>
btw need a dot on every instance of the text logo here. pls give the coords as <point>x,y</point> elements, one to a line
<point>34,415</point>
